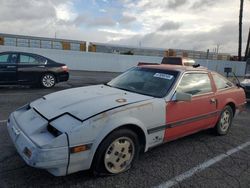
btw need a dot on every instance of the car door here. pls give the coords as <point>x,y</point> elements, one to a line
<point>186,117</point>
<point>8,68</point>
<point>30,68</point>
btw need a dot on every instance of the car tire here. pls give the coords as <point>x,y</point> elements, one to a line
<point>225,121</point>
<point>117,153</point>
<point>48,80</point>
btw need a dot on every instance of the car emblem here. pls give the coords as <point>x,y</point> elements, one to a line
<point>121,100</point>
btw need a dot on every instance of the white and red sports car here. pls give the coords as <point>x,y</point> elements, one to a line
<point>104,127</point>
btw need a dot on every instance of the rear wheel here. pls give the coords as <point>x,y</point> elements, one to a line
<point>225,121</point>
<point>48,80</point>
<point>116,153</point>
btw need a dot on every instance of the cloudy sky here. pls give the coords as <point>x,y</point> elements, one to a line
<point>183,24</point>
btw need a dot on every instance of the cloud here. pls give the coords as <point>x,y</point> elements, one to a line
<point>200,4</point>
<point>101,21</point>
<point>169,25</point>
<point>119,31</point>
<point>28,10</point>
<point>127,19</point>
<point>223,35</point>
<point>81,19</point>
<point>173,4</point>
<point>34,17</point>
<point>185,24</point>
<point>65,11</point>
<point>102,10</point>
<point>87,20</point>
<point>25,10</point>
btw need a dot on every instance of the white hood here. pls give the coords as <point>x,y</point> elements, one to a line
<point>85,102</point>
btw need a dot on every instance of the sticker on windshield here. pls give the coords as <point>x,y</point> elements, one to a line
<point>164,76</point>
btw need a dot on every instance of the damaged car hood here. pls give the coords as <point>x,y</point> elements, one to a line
<point>85,102</point>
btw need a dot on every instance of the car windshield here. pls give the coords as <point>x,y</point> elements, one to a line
<point>146,81</point>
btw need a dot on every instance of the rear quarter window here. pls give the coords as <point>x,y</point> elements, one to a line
<point>221,83</point>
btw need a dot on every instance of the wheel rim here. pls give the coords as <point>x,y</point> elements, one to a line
<point>119,155</point>
<point>48,80</point>
<point>225,120</point>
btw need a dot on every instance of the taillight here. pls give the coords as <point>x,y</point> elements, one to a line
<point>65,68</point>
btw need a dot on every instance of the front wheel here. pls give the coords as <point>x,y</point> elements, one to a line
<point>48,80</point>
<point>225,121</point>
<point>116,153</point>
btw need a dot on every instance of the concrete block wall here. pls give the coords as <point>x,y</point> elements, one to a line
<point>91,61</point>
<point>238,67</point>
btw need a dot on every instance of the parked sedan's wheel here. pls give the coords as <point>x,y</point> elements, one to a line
<point>225,121</point>
<point>48,80</point>
<point>116,153</point>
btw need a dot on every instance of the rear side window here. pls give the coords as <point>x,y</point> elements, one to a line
<point>221,83</point>
<point>25,59</point>
<point>41,59</point>
<point>195,84</point>
<point>4,58</point>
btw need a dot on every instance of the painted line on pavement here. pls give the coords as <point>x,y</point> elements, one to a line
<point>3,121</point>
<point>179,178</point>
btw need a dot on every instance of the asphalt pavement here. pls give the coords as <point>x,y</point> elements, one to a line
<point>199,160</point>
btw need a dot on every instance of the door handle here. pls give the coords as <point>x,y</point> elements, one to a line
<point>11,66</point>
<point>213,101</point>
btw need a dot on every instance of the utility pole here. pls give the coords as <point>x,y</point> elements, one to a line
<point>240,29</point>
<point>139,44</point>
<point>247,52</point>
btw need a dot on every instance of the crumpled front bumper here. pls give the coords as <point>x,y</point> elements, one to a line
<point>54,160</point>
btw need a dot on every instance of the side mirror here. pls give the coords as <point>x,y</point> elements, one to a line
<point>179,96</point>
